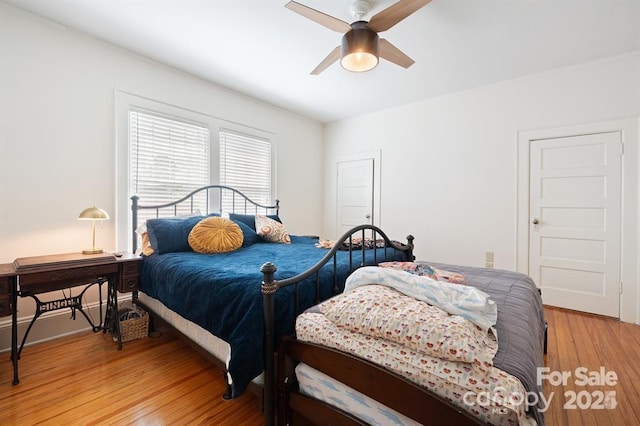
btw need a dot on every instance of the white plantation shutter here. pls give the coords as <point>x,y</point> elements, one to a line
<point>169,158</point>
<point>245,164</point>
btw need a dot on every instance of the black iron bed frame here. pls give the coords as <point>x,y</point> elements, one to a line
<point>269,285</point>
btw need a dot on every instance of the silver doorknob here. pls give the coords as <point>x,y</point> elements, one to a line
<point>535,221</point>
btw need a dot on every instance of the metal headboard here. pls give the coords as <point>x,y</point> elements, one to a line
<point>213,200</point>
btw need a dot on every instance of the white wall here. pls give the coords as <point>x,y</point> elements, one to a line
<point>57,136</point>
<point>449,165</point>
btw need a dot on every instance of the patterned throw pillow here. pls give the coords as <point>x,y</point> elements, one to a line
<point>215,235</point>
<point>271,230</point>
<point>250,219</point>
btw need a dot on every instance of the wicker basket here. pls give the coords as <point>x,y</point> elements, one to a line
<point>135,328</point>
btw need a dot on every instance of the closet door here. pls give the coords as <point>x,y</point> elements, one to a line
<point>575,221</point>
<point>354,194</point>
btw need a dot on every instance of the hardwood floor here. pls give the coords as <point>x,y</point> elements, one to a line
<point>583,340</point>
<point>83,380</point>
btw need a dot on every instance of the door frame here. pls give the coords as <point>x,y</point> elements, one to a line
<point>629,129</point>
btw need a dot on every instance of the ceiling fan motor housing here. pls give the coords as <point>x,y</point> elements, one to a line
<point>360,48</point>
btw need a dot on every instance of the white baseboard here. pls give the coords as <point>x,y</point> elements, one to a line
<point>49,326</point>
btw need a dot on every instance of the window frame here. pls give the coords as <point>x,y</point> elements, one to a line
<point>124,102</point>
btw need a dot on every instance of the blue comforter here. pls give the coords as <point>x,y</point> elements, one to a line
<point>221,293</point>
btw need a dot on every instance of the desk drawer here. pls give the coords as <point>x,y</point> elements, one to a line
<point>128,284</point>
<point>5,296</point>
<point>42,282</point>
<point>5,286</point>
<point>129,275</point>
<point>5,307</point>
<point>131,268</point>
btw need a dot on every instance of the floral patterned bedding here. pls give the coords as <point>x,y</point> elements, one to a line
<point>446,353</point>
<point>459,382</point>
<point>383,312</point>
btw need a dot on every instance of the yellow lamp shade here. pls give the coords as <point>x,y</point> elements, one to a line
<point>93,213</point>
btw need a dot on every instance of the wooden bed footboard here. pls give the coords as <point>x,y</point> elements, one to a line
<point>382,385</point>
<point>270,286</point>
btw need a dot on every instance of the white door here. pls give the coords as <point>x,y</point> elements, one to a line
<point>355,194</point>
<point>575,215</point>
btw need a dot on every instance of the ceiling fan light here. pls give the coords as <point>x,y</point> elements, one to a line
<point>360,48</point>
<point>359,62</point>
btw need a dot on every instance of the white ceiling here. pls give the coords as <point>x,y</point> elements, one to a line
<point>262,49</point>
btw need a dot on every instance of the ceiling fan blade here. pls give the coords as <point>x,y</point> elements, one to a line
<point>328,21</point>
<point>395,13</point>
<point>392,54</point>
<point>330,59</point>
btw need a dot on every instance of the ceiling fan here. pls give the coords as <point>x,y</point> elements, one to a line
<point>361,46</point>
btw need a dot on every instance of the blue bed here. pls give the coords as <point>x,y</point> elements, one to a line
<point>250,297</point>
<point>222,293</point>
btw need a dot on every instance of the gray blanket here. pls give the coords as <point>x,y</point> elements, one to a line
<point>520,326</point>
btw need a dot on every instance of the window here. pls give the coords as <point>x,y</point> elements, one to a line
<point>164,151</point>
<point>169,158</point>
<point>245,164</point>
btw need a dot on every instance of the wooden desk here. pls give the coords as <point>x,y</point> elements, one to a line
<point>8,294</point>
<point>7,287</point>
<point>43,274</point>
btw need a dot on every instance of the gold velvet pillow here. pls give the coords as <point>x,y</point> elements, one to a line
<point>215,235</point>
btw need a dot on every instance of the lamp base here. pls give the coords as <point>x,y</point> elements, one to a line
<point>93,251</point>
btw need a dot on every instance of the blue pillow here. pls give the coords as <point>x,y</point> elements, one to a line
<point>167,235</point>
<point>250,219</point>
<point>250,236</point>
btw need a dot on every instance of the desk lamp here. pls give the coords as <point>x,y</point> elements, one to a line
<point>93,214</point>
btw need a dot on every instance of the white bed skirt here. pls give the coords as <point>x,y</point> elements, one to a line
<point>210,343</point>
